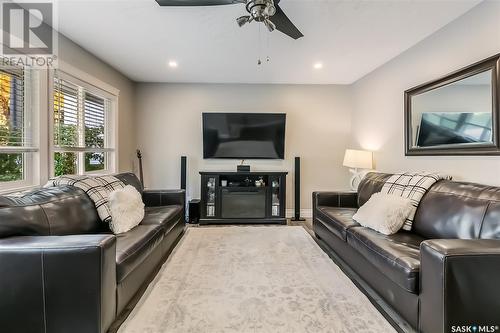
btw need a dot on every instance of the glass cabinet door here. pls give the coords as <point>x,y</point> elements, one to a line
<point>275,197</point>
<point>211,193</point>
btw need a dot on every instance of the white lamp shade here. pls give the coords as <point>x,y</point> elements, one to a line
<point>359,159</point>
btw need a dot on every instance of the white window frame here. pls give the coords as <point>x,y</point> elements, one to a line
<point>39,166</point>
<point>98,88</point>
<point>36,114</point>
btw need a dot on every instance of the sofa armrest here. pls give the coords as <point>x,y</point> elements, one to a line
<point>335,199</point>
<point>154,198</point>
<point>57,283</point>
<point>459,284</point>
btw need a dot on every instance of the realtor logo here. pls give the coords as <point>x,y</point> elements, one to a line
<point>28,33</point>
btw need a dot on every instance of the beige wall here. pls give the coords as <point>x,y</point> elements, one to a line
<point>377,120</point>
<point>318,128</point>
<point>77,57</point>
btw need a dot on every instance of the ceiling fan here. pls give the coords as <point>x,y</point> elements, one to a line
<point>262,11</point>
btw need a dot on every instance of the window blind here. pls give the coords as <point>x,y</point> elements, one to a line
<point>95,118</point>
<point>67,121</point>
<point>80,117</point>
<point>82,127</point>
<point>15,133</point>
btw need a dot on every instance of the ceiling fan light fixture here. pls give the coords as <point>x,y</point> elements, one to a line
<point>269,25</point>
<point>242,20</point>
<point>270,9</point>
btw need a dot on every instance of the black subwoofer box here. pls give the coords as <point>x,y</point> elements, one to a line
<point>194,211</point>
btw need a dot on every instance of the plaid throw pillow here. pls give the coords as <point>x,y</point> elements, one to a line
<point>97,188</point>
<point>411,185</point>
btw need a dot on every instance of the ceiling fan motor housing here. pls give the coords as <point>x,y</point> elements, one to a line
<point>261,10</point>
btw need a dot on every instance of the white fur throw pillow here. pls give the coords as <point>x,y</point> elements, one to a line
<point>127,209</point>
<point>385,213</point>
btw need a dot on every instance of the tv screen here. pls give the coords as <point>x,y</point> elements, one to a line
<point>244,135</point>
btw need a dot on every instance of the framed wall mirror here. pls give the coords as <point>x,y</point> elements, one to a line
<point>456,115</point>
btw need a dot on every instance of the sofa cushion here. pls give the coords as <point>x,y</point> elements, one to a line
<point>397,256</point>
<point>166,216</point>
<point>56,211</point>
<point>129,178</point>
<point>370,184</point>
<point>459,210</point>
<point>134,246</point>
<point>337,220</point>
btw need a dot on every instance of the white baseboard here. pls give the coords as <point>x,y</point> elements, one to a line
<point>305,213</point>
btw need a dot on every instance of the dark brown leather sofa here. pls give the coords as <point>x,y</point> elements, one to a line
<point>444,273</point>
<point>62,270</point>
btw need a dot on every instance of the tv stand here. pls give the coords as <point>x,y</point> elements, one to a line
<point>235,197</point>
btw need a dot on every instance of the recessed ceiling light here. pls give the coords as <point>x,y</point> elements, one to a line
<point>172,64</point>
<point>318,65</point>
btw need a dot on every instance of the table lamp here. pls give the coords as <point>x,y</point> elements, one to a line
<point>357,159</point>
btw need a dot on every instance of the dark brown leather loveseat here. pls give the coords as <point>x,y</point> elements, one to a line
<point>62,270</point>
<point>444,275</point>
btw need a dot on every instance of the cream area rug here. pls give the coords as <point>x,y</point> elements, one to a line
<point>252,279</point>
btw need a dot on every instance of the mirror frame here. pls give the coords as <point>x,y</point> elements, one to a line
<point>491,63</point>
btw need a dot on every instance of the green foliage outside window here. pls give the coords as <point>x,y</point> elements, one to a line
<point>65,163</point>
<point>65,136</point>
<point>11,167</point>
<point>94,138</point>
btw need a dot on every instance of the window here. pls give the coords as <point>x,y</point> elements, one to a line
<point>83,130</point>
<point>82,137</point>
<point>17,138</point>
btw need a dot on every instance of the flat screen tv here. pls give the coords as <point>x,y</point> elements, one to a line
<point>244,135</point>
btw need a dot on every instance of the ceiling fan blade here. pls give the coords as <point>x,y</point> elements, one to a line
<point>181,3</point>
<point>284,24</point>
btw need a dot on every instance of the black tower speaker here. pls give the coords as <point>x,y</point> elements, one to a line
<point>297,191</point>
<point>183,172</point>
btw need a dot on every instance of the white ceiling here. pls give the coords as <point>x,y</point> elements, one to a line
<point>350,38</point>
